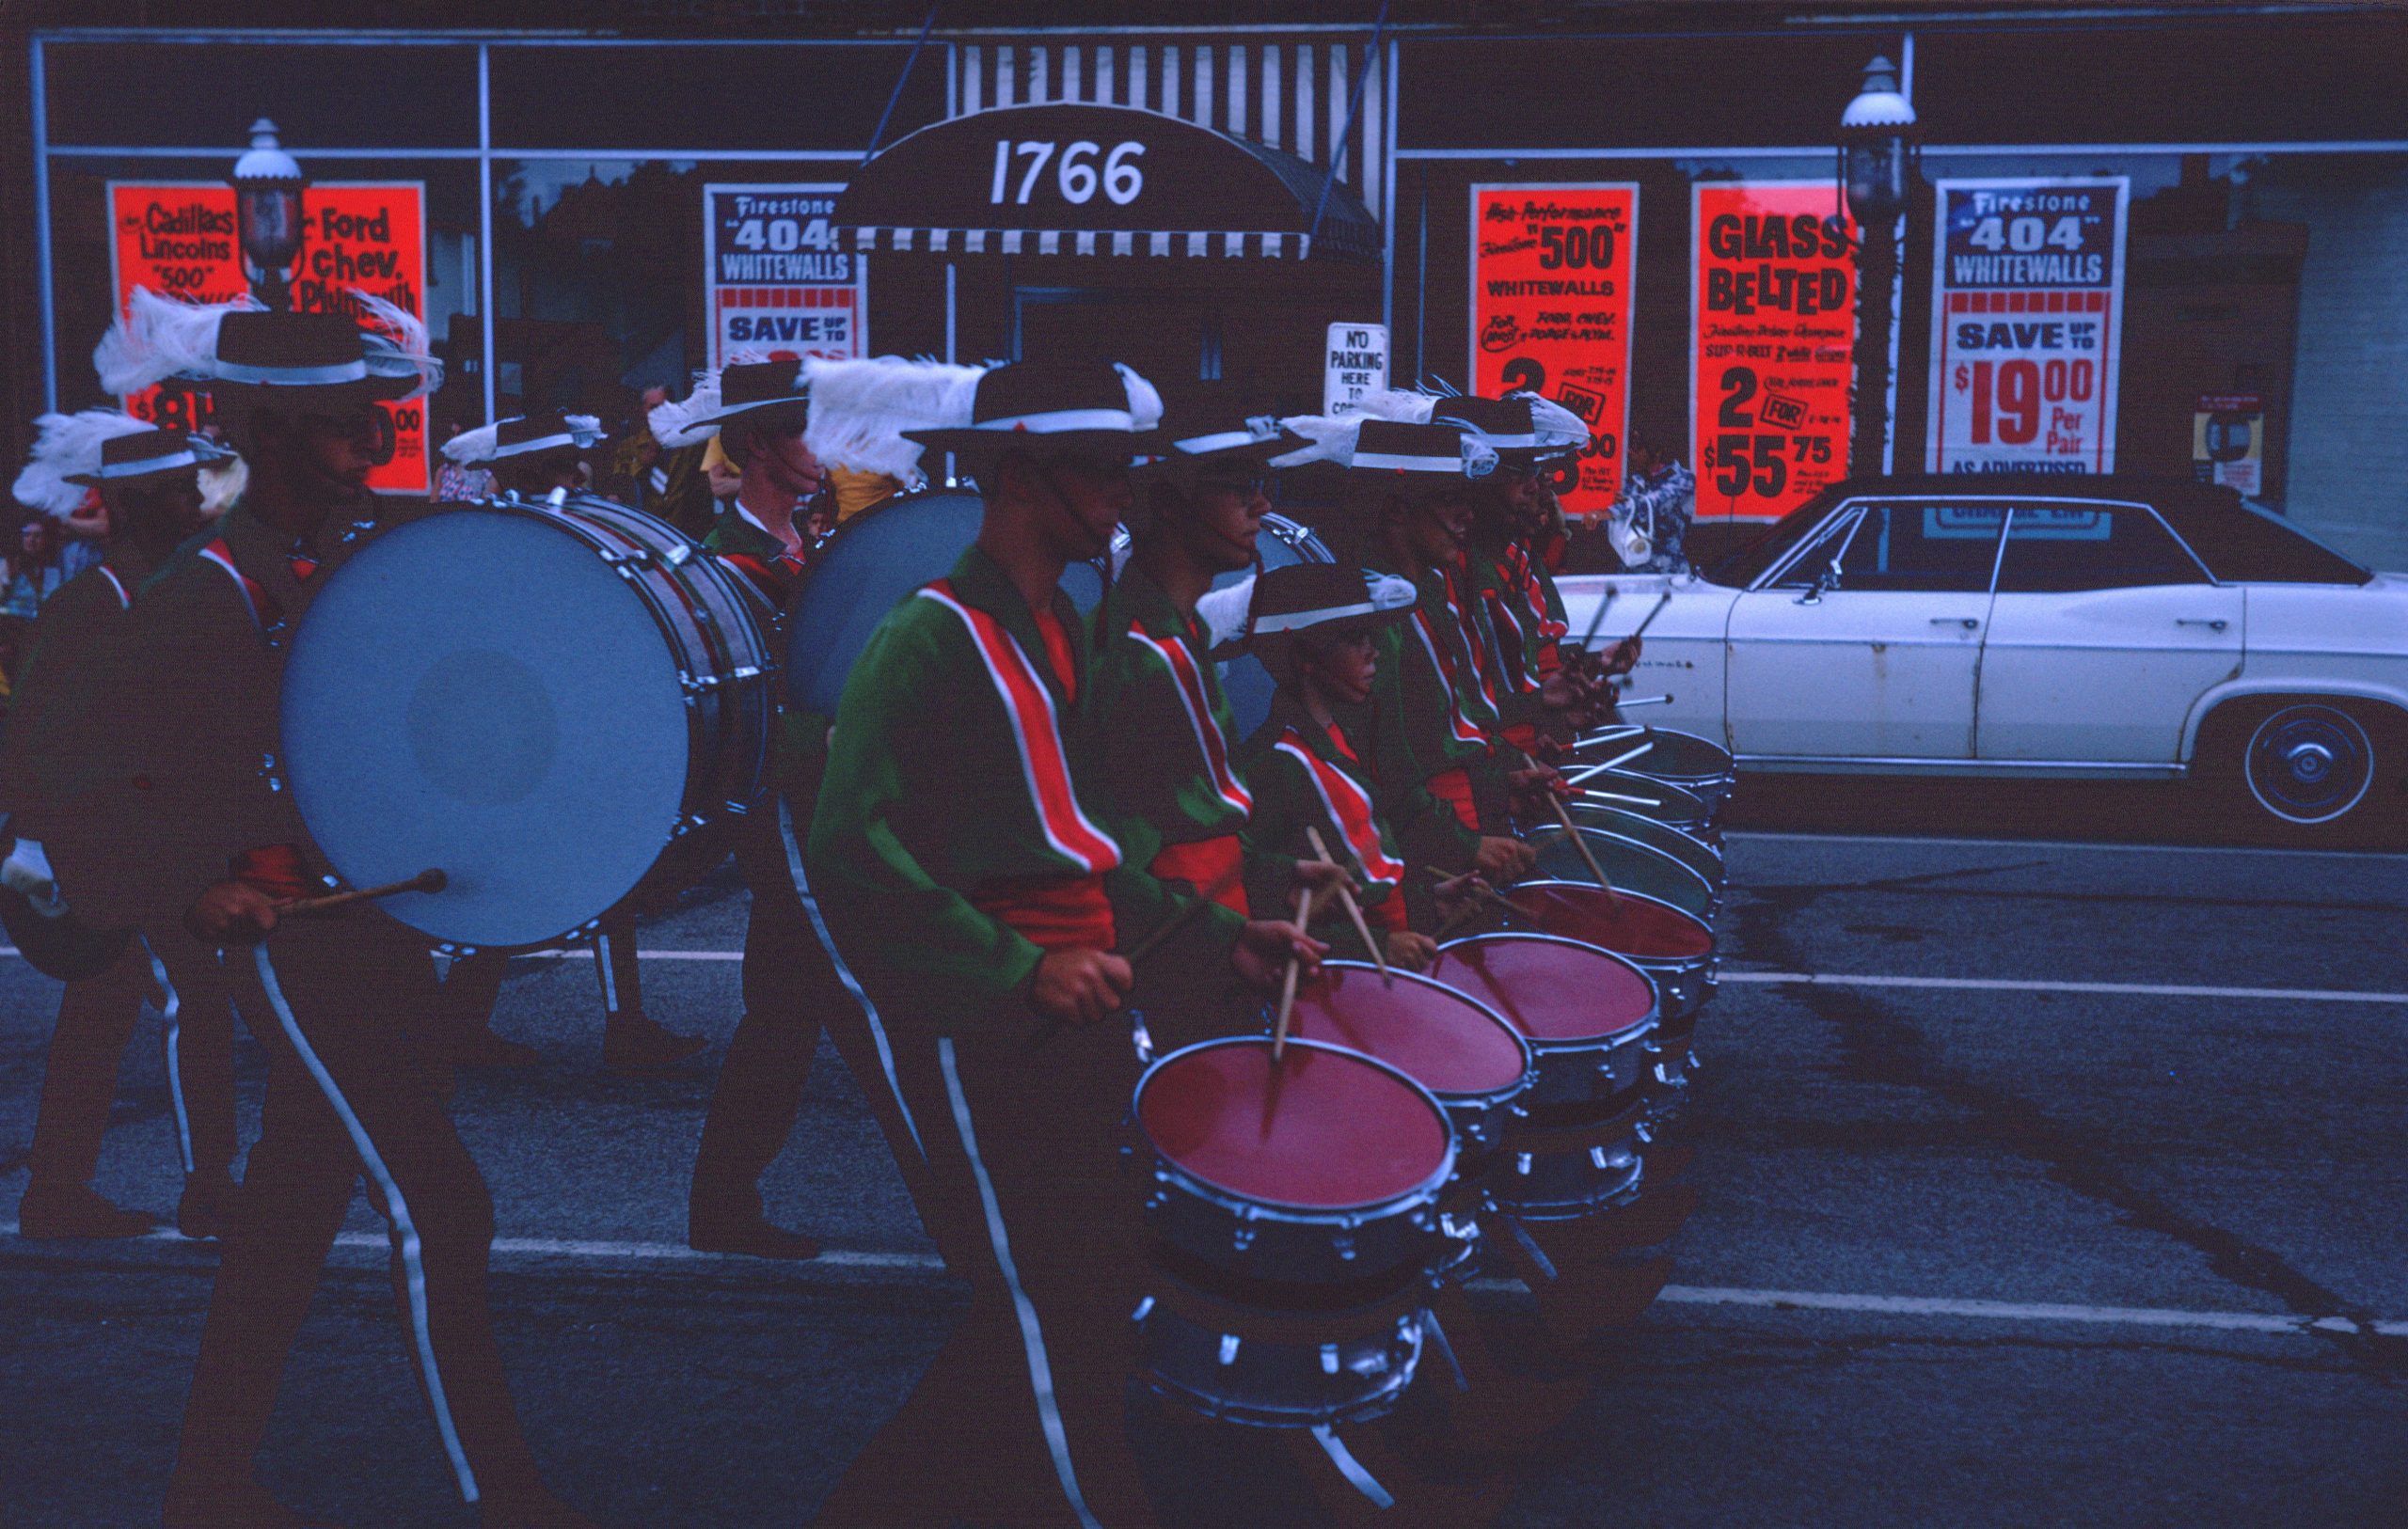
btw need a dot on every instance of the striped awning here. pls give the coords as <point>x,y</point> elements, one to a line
<point>1078,179</point>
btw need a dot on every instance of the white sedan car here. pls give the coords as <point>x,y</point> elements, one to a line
<point>2094,626</point>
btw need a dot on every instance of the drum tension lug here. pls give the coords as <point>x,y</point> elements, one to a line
<point>1229,1349</point>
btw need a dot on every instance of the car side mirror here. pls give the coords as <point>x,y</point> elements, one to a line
<point>1827,580</point>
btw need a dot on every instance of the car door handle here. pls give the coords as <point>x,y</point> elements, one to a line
<point>1968,623</point>
<point>2216,625</point>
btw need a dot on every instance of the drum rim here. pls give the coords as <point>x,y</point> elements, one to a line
<point>1652,730</point>
<point>1402,1204</point>
<point>1484,1098</point>
<point>1675,962</point>
<point>1709,851</point>
<point>1713,892</point>
<point>1625,773</point>
<point>1637,1029</point>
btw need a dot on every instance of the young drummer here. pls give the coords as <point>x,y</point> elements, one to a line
<point>147,481</point>
<point>962,861</point>
<point>534,456</point>
<point>1316,626</point>
<point>358,1085</point>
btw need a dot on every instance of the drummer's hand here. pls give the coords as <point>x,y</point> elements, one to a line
<point>231,913</point>
<point>1622,657</point>
<point>1414,953</point>
<point>1326,878</point>
<point>1561,691</point>
<point>1079,986</point>
<point>1264,948</point>
<point>1533,787</point>
<point>1502,861</point>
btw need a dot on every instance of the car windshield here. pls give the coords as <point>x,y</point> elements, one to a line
<point>1745,566</point>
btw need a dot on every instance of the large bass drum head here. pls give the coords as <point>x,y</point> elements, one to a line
<point>479,692</point>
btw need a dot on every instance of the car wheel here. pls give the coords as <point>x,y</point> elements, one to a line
<point>2311,764</point>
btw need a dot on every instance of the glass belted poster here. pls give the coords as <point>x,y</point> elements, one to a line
<point>180,240</point>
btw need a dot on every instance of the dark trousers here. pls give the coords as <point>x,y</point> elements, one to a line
<point>96,1019</point>
<point>357,1089</point>
<point>1022,1418</point>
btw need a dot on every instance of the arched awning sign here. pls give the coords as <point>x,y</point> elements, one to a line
<point>1083,180</point>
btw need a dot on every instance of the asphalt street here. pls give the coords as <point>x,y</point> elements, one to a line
<point>2045,1178</point>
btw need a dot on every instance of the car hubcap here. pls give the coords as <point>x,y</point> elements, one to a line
<point>2309,764</point>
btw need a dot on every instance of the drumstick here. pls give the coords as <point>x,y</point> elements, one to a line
<point>1571,831</point>
<point>1642,700</point>
<point>1596,617</point>
<point>425,881</point>
<point>1663,599</point>
<point>1288,986</point>
<point>1618,796</point>
<point>1186,915</point>
<point>1614,763</point>
<point>1354,911</point>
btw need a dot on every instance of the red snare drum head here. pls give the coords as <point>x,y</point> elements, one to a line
<point>1548,989</point>
<point>1624,922</point>
<point>1429,1033</point>
<point>1323,1130</point>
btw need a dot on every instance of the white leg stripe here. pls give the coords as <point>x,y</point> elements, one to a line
<point>171,1043</point>
<point>1040,1373</point>
<point>610,978</point>
<point>404,1230</point>
<point>828,944</point>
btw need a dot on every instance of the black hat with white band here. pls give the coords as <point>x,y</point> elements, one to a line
<point>245,355</point>
<point>75,452</point>
<point>1055,408</point>
<point>524,435</point>
<point>1300,595</point>
<point>740,387</point>
<point>1521,428</point>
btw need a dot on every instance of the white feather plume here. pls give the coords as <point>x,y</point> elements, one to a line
<point>65,444</point>
<point>222,485</point>
<point>473,444</point>
<point>1551,421</point>
<point>1329,438</point>
<point>1396,403</point>
<point>584,429</point>
<point>859,409</point>
<point>397,344</point>
<point>158,337</point>
<point>1145,403</point>
<point>673,423</point>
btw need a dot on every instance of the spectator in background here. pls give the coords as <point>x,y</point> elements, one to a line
<point>1648,524</point>
<point>456,484</point>
<point>34,569</point>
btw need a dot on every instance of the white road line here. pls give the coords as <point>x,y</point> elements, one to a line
<point>913,1265</point>
<point>1775,835</point>
<point>2009,984</point>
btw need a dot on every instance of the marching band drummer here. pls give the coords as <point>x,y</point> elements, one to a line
<point>1409,485</point>
<point>358,1082</point>
<point>1162,757</point>
<point>961,864</point>
<point>147,481</point>
<point>534,457</point>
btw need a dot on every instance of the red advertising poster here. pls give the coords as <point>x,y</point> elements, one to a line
<point>1550,312</point>
<point>1772,326</point>
<point>179,239</point>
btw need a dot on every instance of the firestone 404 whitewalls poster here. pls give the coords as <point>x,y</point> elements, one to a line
<point>2027,317</point>
<point>780,281</point>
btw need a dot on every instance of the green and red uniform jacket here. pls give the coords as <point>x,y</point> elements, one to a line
<point>1305,775</point>
<point>1163,759</point>
<point>1522,619</point>
<point>1429,723</point>
<point>762,560</point>
<point>956,838</point>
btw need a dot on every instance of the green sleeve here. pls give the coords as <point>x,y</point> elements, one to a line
<point>887,910</point>
<point>1273,836</point>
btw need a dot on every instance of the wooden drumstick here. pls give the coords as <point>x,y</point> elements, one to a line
<point>1354,911</point>
<point>1288,986</point>
<point>1573,832</point>
<point>425,881</point>
<point>1185,917</point>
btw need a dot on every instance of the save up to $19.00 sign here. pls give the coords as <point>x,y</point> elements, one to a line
<point>180,240</point>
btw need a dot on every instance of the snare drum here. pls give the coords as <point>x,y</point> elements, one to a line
<point>1587,1014</point>
<point>1474,1063</point>
<point>1673,948</point>
<point>1324,1166</point>
<point>1663,837</point>
<point>1673,806</point>
<point>552,701</point>
<point>1630,866</point>
<point>1267,1367</point>
<point>1701,767</point>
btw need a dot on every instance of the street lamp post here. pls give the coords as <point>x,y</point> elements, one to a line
<point>267,184</point>
<point>1878,167</point>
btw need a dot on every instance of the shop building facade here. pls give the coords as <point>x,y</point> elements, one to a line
<point>1642,220</point>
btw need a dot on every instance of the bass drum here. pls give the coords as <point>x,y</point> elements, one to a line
<point>554,703</point>
<point>874,563</point>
